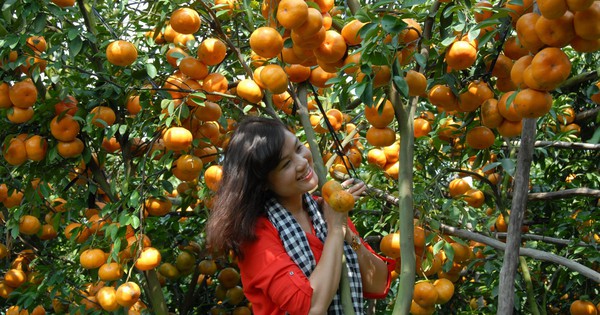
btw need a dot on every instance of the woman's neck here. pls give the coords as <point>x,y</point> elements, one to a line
<point>293,205</point>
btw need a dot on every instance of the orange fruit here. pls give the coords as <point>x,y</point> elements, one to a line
<point>158,206</point>
<point>82,234</point>
<point>518,70</point>
<point>92,258</point>
<point>586,22</point>
<point>596,96</point>
<point>442,96</point>
<point>64,3</point>
<point>212,51</point>
<point>14,278</point>
<point>177,139</point>
<point>103,116</point>
<point>266,42</point>
<point>475,198</point>
<point>110,271</point>
<point>185,21</point>
<point>502,66</point>
<point>380,75</point>
<point>215,83</point>
<point>380,115</point>
<point>477,92</point>
<point>480,138</point>
<point>376,157</point>
<point>416,309</point>
<point>380,137</point>
<point>417,83</point>
<point>297,73</point>
<point>482,11</point>
<point>558,32</point>
<point>18,115</point>
<point>107,298</point>
<point>5,101</point>
<point>329,188</point>
<point>68,105</point>
<point>566,115</point>
<point>332,49</point>
<point>550,67</point>
<point>583,45</point>
<point>23,94</point>
<point>458,187</point>
<point>149,259</point>
<point>193,68</point>
<point>121,53</point>
<point>411,33</point>
<point>274,78</point>
<point>390,245</point>
<point>292,13</point>
<point>212,177</point>
<point>513,49</point>
<point>128,294</point>
<point>209,112</point>
<point>508,111</point>
<point>552,9</point>
<point>510,129</point>
<point>526,33</point>
<point>579,5</point>
<point>422,127</point>
<point>461,55</point>
<point>341,201</point>
<point>582,307</point>
<point>228,277</point>
<point>174,54</point>
<point>310,42</point>
<point>518,9</point>
<point>187,167</point>
<point>490,115</point>
<point>70,149</point>
<point>319,77</point>
<point>312,24</point>
<point>445,289</point>
<point>425,294</point>
<point>531,103</point>
<point>350,32</point>
<point>249,90</point>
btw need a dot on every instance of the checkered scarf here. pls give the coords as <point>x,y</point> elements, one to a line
<point>296,245</point>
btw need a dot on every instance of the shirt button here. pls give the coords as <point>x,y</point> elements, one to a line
<point>291,273</point>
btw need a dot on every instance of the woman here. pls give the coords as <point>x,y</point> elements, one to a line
<point>289,245</point>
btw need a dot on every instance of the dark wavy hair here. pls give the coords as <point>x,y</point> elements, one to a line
<point>253,151</point>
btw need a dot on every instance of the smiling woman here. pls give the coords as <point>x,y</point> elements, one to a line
<point>289,244</point>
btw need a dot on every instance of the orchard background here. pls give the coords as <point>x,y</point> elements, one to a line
<point>114,116</point>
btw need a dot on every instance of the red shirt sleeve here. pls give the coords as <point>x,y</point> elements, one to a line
<point>271,280</point>
<point>391,264</point>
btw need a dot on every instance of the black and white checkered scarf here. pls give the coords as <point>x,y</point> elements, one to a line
<point>296,245</point>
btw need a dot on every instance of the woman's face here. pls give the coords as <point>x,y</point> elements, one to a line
<point>294,175</point>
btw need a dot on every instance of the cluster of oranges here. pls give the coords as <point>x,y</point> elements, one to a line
<point>430,292</point>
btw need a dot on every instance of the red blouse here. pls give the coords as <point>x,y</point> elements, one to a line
<point>273,283</point>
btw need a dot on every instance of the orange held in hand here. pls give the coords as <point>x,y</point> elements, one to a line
<point>335,195</point>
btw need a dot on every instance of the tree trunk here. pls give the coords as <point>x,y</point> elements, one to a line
<point>519,202</point>
<point>404,115</point>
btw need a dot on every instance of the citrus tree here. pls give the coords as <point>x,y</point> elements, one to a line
<point>473,123</point>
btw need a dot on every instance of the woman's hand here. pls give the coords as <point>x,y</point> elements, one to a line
<point>354,186</point>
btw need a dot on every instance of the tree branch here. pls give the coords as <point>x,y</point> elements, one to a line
<point>588,114</point>
<point>567,193</point>
<point>547,239</point>
<point>575,81</point>
<point>528,252</point>
<point>561,145</point>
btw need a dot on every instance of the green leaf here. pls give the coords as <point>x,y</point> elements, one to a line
<point>401,85</point>
<point>75,47</point>
<point>7,4</point>
<point>392,24</point>
<point>167,185</point>
<point>151,70</point>
<point>421,60</point>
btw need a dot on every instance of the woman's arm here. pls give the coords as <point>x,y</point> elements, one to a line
<point>325,278</point>
<point>373,270</point>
